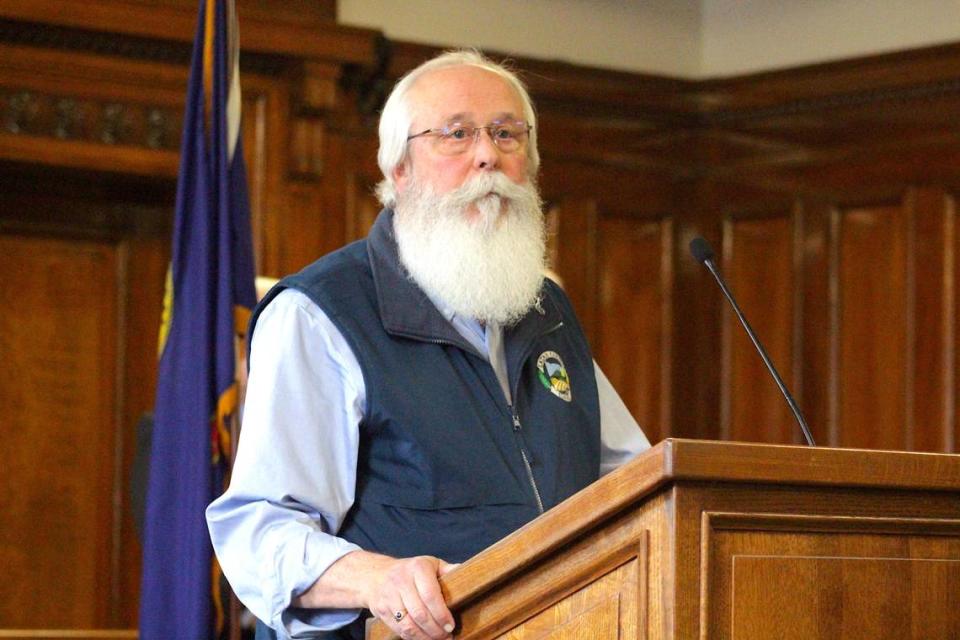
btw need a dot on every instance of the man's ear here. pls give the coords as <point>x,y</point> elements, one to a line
<point>402,174</point>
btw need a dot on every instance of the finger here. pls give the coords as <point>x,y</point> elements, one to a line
<point>419,613</point>
<point>406,612</point>
<point>390,610</point>
<point>401,622</point>
<point>390,615</point>
<point>446,567</point>
<point>428,587</point>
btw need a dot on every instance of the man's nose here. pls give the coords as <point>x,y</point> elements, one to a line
<point>486,154</point>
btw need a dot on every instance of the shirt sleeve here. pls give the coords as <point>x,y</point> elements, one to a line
<point>621,438</point>
<point>294,477</point>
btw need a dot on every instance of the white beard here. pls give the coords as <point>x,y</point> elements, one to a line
<point>490,268</point>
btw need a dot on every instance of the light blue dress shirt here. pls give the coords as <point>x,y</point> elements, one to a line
<point>294,476</point>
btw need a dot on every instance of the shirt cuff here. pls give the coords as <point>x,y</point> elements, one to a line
<point>293,574</point>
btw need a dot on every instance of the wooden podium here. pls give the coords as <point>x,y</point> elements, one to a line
<point>699,539</point>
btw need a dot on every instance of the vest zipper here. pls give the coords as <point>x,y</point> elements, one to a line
<point>449,343</point>
<point>517,428</point>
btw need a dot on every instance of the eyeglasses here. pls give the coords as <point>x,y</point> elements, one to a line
<point>457,137</point>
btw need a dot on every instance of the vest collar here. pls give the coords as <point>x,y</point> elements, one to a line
<point>405,309</point>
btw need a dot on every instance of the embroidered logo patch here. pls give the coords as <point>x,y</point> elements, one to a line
<point>553,375</point>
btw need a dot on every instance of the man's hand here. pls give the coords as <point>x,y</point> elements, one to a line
<point>404,593</point>
<point>408,599</point>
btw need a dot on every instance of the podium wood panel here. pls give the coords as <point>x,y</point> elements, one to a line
<point>827,597</point>
<point>699,539</point>
<point>830,577</point>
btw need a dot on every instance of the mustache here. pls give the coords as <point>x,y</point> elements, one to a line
<point>483,185</point>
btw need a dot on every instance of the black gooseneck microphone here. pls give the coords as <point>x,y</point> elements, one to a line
<point>701,250</point>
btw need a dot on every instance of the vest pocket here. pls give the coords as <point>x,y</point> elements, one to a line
<point>452,534</point>
<point>456,493</point>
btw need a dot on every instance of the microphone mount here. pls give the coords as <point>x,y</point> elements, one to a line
<point>703,253</point>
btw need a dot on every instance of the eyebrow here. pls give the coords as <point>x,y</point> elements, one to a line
<point>464,116</point>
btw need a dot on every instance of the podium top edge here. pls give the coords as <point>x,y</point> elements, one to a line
<point>801,465</point>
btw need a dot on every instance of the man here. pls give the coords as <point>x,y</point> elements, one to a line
<point>416,396</point>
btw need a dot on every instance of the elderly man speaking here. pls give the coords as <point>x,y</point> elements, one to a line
<point>420,394</point>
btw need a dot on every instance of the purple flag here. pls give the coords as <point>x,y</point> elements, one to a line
<point>210,289</point>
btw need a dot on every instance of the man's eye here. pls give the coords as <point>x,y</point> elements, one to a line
<point>456,133</point>
<point>503,133</point>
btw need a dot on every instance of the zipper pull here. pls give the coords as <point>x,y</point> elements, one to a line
<point>516,423</point>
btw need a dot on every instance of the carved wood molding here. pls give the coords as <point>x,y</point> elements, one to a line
<point>853,98</point>
<point>176,22</point>
<point>670,101</point>
<point>108,122</point>
<point>739,130</point>
<point>927,73</point>
<point>330,72</point>
<point>88,111</point>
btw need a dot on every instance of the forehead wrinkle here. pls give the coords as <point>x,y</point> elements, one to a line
<point>419,105</point>
<point>461,117</point>
<point>506,116</point>
<point>466,117</point>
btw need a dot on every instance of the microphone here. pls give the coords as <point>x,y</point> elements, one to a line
<point>701,250</point>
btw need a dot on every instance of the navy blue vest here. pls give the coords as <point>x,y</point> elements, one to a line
<point>446,466</point>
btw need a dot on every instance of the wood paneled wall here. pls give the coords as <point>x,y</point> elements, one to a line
<point>82,266</point>
<point>856,303</point>
<point>52,431</point>
<point>829,193</point>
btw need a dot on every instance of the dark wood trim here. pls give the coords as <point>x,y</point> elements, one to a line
<point>921,67</point>
<point>259,34</point>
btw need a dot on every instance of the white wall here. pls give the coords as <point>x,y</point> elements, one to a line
<point>656,36</point>
<point>682,38</point>
<point>741,36</point>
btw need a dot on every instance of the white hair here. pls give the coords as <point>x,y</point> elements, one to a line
<point>480,249</point>
<point>397,115</point>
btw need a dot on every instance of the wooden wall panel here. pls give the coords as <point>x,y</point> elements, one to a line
<point>254,128</point>
<point>58,398</point>
<point>575,221</point>
<point>355,189</point>
<point>302,228</point>
<point>873,339</point>
<point>362,208</point>
<point>84,280</point>
<point>266,152</point>
<point>759,267</point>
<point>632,343</point>
<point>931,320</point>
<point>865,295</point>
<point>816,383</point>
<point>143,267</point>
